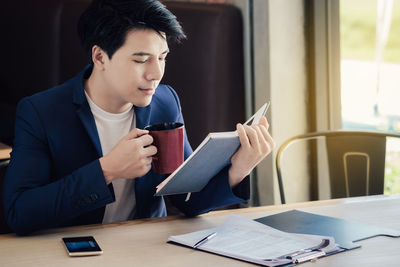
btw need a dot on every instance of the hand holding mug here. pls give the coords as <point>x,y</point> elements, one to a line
<point>130,158</point>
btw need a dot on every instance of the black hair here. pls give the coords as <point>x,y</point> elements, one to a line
<point>106,22</point>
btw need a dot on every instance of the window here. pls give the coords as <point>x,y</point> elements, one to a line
<point>370,73</point>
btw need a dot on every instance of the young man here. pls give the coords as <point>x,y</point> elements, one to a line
<point>80,155</point>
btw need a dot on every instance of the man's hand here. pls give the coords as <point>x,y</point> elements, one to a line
<point>255,144</point>
<point>130,158</point>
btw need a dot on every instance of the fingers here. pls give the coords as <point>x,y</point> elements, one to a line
<point>265,145</point>
<point>145,140</point>
<point>268,138</point>
<point>136,133</point>
<point>144,166</point>
<point>147,161</point>
<point>244,141</point>
<point>149,151</point>
<point>256,137</point>
<point>253,134</point>
<point>264,126</point>
<point>248,136</point>
<point>264,122</point>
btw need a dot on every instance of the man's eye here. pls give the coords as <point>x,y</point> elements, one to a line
<point>140,61</point>
<point>163,59</point>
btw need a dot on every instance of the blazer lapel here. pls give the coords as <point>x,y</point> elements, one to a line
<point>142,116</point>
<point>83,110</point>
<point>89,123</point>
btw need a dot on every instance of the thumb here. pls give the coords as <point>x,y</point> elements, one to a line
<point>136,132</point>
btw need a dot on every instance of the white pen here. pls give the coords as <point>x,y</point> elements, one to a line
<point>205,239</point>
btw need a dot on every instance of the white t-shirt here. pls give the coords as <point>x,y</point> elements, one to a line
<point>111,128</point>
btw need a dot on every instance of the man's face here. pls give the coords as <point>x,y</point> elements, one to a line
<point>136,68</point>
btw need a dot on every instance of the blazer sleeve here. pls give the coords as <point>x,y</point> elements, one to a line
<point>216,193</point>
<point>33,199</point>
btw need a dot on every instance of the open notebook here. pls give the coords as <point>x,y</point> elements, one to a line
<point>209,158</point>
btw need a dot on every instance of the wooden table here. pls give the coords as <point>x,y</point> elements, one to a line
<point>143,242</point>
<point>4,151</point>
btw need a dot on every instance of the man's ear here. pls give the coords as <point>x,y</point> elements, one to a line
<point>99,57</point>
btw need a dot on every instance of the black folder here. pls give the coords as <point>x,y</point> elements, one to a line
<point>345,232</point>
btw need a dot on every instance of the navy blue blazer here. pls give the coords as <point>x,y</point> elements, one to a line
<point>54,178</point>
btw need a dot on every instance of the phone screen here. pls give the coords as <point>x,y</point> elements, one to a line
<point>82,246</point>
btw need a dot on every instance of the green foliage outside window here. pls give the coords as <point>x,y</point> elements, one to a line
<point>358,27</point>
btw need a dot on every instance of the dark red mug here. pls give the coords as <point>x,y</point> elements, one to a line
<point>169,139</point>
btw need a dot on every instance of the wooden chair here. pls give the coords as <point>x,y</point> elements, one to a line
<point>356,161</point>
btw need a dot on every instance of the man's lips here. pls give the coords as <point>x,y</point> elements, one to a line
<point>147,91</point>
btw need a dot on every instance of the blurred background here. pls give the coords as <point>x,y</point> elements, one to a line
<point>323,64</point>
<point>370,73</point>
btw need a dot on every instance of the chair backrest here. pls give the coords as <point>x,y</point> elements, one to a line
<point>4,229</point>
<point>356,161</point>
<point>55,55</point>
<point>206,69</point>
<point>203,70</point>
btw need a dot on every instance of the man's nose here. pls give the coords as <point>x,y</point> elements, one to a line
<point>155,71</point>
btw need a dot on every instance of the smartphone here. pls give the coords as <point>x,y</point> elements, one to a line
<point>82,246</point>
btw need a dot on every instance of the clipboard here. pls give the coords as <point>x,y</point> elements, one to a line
<point>247,240</point>
<point>345,232</point>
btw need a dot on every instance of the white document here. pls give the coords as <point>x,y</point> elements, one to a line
<point>252,241</point>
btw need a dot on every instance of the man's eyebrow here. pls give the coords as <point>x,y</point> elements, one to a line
<point>144,54</point>
<point>141,54</point>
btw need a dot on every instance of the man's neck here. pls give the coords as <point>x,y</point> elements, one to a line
<point>102,96</point>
